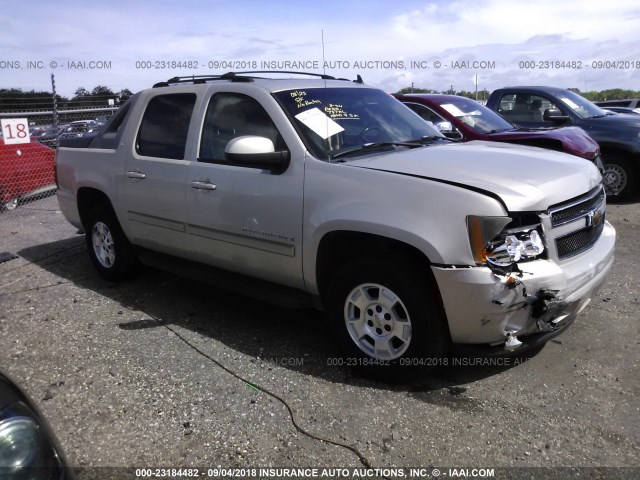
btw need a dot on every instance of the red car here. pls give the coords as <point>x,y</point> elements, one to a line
<point>26,170</point>
<point>464,119</point>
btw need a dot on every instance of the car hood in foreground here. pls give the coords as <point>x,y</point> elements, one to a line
<point>525,178</point>
<point>574,139</point>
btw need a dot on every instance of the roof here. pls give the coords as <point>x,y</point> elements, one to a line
<point>271,83</point>
<point>535,88</point>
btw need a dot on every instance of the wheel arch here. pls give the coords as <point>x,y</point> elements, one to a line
<point>89,198</point>
<point>340,247</point>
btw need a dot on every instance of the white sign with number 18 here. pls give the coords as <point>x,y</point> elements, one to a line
<point>15,130</point>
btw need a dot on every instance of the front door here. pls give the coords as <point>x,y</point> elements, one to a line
<point>244,219</point>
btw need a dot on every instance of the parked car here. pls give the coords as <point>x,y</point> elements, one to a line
<point>28,447</point>
<point>464,119</point>
<point>627,102</point>
<point>335,193</point>
<point>80,129</point>
<point>632,111</point>
<point>617,135</point>
<point>47,136</point>
<point>26,170</point>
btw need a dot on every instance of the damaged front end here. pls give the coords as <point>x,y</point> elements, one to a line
<point>533,274</point>
<point>544,306</point>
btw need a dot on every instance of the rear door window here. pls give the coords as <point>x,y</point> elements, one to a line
<point>165,125</point>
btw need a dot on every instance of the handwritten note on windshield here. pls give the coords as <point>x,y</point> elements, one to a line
<point>337,112</point>
<point>300,97</point>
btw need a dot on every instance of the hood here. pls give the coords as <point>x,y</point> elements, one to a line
<point>574,140</point>
<point>525,178</point>
<point>622,120</point>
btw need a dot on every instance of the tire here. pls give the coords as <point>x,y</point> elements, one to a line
<point>388,319</point>
<point>11,204</point>
<point>109,249</point>
<point>619,178</point>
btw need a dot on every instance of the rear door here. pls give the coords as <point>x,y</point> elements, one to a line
<point>156,172</point>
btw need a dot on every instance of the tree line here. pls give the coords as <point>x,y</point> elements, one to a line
<point>17,99</point>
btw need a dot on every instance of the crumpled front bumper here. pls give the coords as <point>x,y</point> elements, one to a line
<point>483,307</point>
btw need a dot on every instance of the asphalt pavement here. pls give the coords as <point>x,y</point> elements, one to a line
<point>160,371</point>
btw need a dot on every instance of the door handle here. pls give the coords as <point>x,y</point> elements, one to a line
<point>203,185</point>
<point>136,175</point>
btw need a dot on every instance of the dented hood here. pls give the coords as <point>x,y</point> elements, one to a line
<point>525,178</point>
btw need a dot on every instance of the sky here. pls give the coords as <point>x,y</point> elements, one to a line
<point>585,44</point>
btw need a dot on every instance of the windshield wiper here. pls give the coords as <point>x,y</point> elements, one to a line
<point>374,146</point>
<point>424,140</point>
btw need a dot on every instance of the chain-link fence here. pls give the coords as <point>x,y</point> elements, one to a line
<point>28,140</point>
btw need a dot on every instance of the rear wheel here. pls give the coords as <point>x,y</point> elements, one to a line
<point>110,251</point>
<point>388,319</point>
<point>619,178</point>
<point>11,204</point>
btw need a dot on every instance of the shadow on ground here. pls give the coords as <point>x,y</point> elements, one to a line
<point>260,330</point>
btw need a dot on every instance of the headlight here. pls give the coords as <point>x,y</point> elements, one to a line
<point>495,245</point>
<point>28,448</point>
<point>508,249</point>
<point>26,452</point>
<point>20,443</point>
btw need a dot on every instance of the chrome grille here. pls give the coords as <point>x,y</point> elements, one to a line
<point>575,226</point>
<point>576,210</point>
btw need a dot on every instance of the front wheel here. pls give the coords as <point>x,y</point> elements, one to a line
<point>109,249</point>
<point>619,178</point>
<point>388,319</point>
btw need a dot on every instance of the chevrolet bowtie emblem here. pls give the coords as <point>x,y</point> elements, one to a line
<point>594,218</point>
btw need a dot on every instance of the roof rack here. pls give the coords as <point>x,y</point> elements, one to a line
<point>243,77</point>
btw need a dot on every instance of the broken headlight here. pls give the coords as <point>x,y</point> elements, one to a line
<point>494,244</point>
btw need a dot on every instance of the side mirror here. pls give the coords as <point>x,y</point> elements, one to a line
<point>448,130</point>
<point>554,115</point>
<point>256,152</point>
<point>444,127</point>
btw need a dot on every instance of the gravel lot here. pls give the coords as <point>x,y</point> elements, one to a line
<point>161,371</point>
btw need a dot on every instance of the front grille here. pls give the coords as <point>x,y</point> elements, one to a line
<point>575,226</point>
<point>577,209</point>
<point>579,241</point>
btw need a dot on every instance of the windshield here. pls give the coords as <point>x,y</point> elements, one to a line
<point>476,116</point>
<point>335,120</point>
<point>581,106</point>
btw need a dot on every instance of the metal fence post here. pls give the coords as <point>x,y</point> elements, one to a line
<point>55,102</point>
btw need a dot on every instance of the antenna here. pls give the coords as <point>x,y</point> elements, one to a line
<point>324,71</point>
<point>324,64</point>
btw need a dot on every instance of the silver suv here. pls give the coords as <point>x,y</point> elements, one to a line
<point>409,242</point>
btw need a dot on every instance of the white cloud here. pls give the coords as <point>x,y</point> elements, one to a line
<point>354,31</point>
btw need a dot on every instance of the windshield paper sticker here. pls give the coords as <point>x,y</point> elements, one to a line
<point>453,110</point>
<point>571,103</point>
<point>319,122</point>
